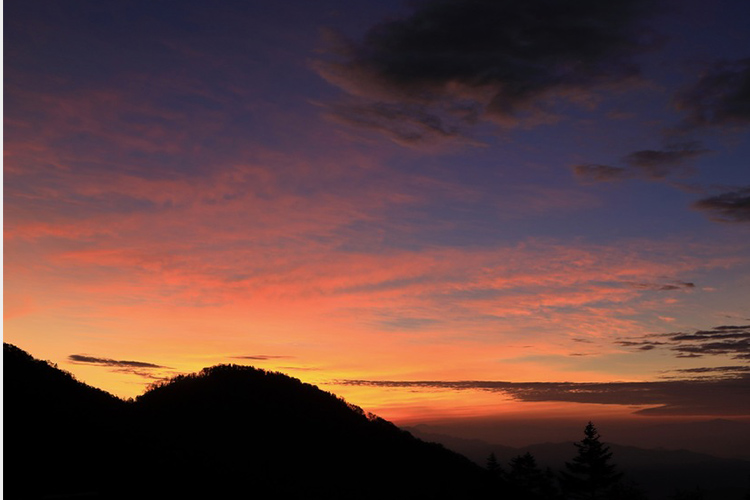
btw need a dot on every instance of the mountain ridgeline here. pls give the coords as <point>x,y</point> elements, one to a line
<point>240,432</point>
<point>226,432</point>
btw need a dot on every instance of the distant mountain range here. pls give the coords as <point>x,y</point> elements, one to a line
<point>239,432</point>
<point>658,472</point>
<point>720,437</point>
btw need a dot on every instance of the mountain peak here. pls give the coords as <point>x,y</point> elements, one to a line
<point>225,431</point>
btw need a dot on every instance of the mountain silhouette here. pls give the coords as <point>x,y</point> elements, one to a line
<point>234,431</point>
<point>56,429</point>
<point>228,431</point>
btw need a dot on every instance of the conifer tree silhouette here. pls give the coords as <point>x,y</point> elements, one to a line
<point>526,481</point>
<point>494,480</point>
<point>590,475</point>
<point>493,466</point>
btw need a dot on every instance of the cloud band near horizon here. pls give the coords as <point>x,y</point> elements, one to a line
<point>713,397</point>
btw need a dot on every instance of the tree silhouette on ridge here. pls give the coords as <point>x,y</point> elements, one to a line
<point>590,475</point>
<point>526,481</point>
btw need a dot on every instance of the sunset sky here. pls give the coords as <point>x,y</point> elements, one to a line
<point>424,207</point>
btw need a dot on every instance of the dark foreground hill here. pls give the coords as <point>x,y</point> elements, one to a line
<point>226,432</point>
<point>57,431</point>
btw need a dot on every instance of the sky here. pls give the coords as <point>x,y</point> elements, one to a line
<point>440,210</point>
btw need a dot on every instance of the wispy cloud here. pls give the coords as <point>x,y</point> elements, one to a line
<point>261,357</point>
<point>92,360</point>
<point>664,287</point>
<point>141,369</point>
<point>728,340</point>
<point>657,164</point>
<point>710,372</point>
<point>649,164</point>
<point>731,206</point>
<point>720,97</point>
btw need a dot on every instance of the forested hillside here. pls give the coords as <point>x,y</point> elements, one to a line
<point>228,431</point>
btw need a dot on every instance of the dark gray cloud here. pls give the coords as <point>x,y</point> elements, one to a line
<point>720,97</point>
<point>261,357</point>
<point>723,396</point>
<point>651,164</point>
<point>451,63</point>
<point>91,360</point>
<point>663,287</point>
<point>732,206</point>
<point>728,340</point>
